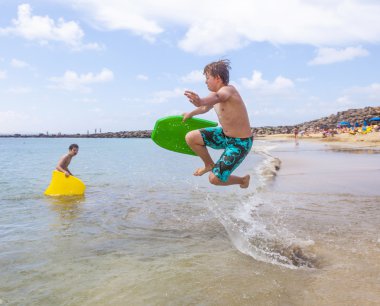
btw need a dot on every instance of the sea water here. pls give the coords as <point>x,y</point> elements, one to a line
<point>147,232</point>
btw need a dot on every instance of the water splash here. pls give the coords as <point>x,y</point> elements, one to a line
<point>255,225</point>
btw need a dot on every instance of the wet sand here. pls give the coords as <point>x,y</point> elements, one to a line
<point>330,193</point>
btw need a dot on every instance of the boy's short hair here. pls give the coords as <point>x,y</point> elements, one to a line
<point>72,146</point>
<point>220,68</point>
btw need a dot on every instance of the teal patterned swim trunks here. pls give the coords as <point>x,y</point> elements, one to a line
<point>235,150</point>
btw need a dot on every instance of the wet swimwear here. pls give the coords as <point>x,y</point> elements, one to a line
<point>235,150</point>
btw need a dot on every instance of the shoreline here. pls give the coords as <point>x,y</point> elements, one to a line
<point>345,139</point>
<point>370,140</point>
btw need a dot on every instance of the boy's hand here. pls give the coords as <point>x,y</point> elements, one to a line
<point>193,98</point>
<point>67,174</point>
<point>186,116</point>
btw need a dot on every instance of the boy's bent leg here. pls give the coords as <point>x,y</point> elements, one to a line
<point>232,180</point>
<point>234,154</point>
<point>195,141</point>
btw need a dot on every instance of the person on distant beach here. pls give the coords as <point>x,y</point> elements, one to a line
<point>234,135</point>
<point>65,160</point>
<point>296,130</point>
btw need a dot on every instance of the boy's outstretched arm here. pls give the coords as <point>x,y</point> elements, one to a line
<point>213,98</point>
<point>199,110</point>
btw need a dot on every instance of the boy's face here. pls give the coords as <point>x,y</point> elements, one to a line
<point>73,151</point>
<point>212,82</point>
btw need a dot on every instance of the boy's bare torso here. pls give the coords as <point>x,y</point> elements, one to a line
<point>233,115</point>
<point>65,161</point>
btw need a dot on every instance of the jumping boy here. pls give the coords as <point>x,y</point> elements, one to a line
<point>234,135</point>
<point>65,160</point>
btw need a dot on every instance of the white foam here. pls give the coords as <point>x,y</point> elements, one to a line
<point>254,224</point>
<point>267,170</point>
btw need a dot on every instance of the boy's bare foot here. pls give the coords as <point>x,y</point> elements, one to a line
<point>245,183</point>
<point>201,171</point>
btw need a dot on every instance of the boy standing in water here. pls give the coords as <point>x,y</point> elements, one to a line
<point>65,160</point>
<point>234,135</point>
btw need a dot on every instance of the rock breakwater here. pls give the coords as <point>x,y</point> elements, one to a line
<point>330,122</point>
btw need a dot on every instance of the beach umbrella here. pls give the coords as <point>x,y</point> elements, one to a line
<point>375,119</point>
<point>342,123</point>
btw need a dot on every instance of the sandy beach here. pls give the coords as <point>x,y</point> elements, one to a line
<point>362,140</point>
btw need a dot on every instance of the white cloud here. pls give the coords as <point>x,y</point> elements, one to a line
<point>262,86</point>
<point>164,96</point>
<point>18,63</point>
<point>195,76</point>
<point>142,77</point>
<point>358,97</point>
<point>72,81</point>
<point>211,38</point>
<point>331,55</point>
<point>344,101</point>
<point>3,74</point>
<point>44,29</point>
<point>216,27</point>
<point>365,95</point>
<point>135,16</point>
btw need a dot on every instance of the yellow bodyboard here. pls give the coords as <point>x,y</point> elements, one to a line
<point>60,185</point>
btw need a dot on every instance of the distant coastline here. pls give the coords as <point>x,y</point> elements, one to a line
<point>124,134</point>
<point>315,126</point>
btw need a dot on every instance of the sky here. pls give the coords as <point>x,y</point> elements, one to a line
<point>73,66</point>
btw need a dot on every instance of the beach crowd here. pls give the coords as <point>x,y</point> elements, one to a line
<point>341,128</point>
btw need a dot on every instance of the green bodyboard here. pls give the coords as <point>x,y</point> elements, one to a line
<point>169,132</point>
